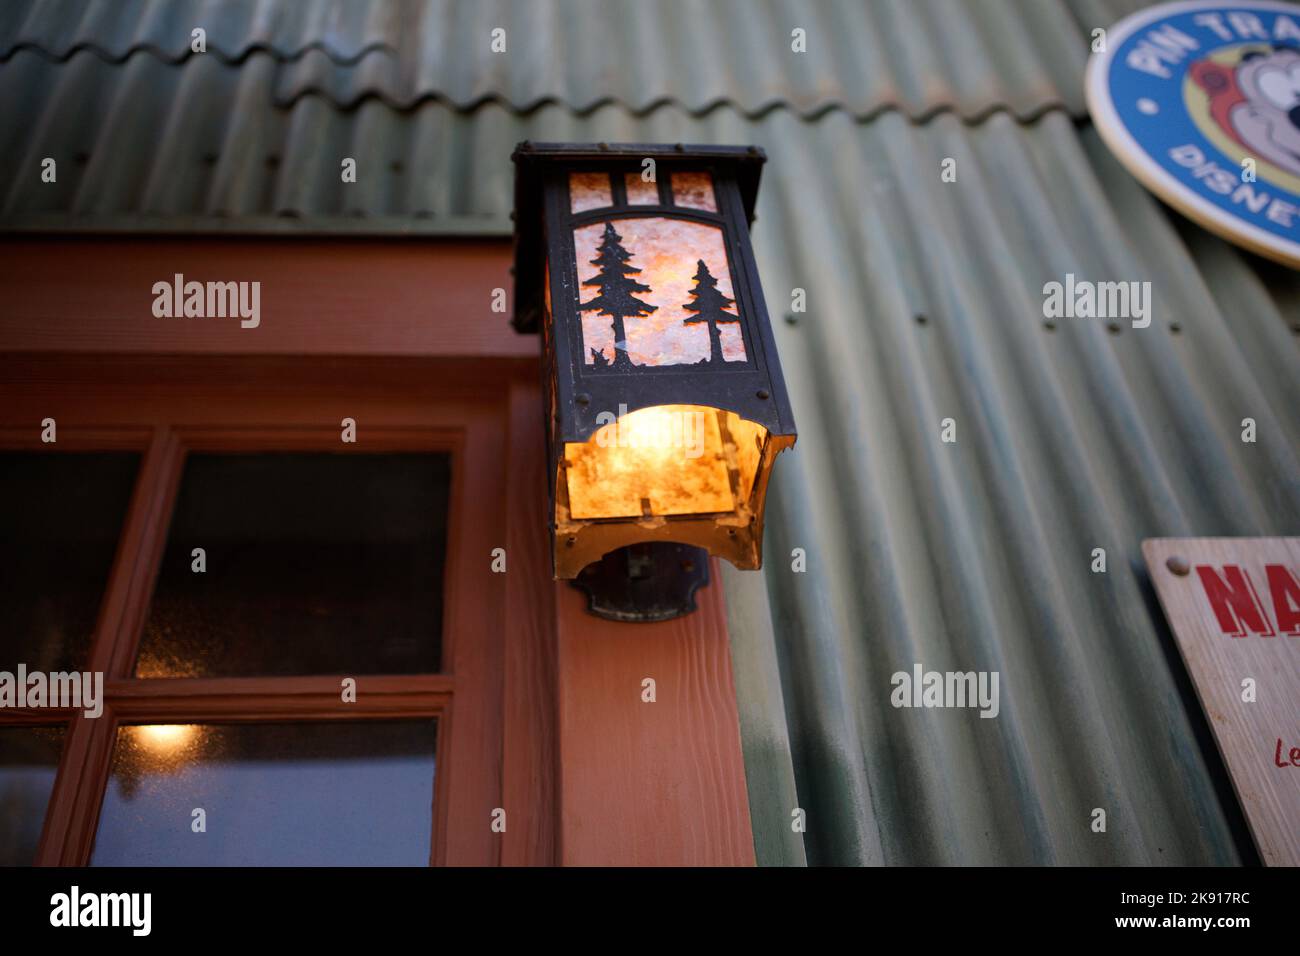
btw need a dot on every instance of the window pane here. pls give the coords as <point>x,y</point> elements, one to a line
<point>304,794</point>
<point>60,518</point>
<point>315,564</point>
<point>29,759</point>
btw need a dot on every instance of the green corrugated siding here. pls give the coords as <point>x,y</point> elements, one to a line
<point>966,556</point>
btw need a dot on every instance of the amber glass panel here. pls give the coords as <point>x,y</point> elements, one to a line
<point>640,192</point>
<point>299,794</point>
<point>665,460</point>
<point>589,191</point>
<point>694,190</point>
<point>60,518</point>
<point>748,438</point>
<point>315,564</point>
<point>29,760</point>
<point>661,287</point>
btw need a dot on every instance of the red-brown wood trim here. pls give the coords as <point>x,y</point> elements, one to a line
<point>139,549</point>
<point>469,780</point>
<point>35,716</point>
<point>650,784</point>
<point>259,698</point>
<point>317,297</point>
<point>74,802</point>
<point>27,437</point>
<point>530,765</point>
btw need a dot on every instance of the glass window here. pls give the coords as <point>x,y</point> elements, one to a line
<point>311,564</point>
<point>60,517</point>
<point>293,794</point>
<point>29,759</point>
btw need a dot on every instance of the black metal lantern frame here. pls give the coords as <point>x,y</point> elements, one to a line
<point>547,299</point>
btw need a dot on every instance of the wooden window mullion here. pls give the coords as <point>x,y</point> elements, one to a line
<point>126,597</point>
<point>73,811</point>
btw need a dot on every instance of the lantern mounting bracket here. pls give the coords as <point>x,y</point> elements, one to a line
<point>645,582</point>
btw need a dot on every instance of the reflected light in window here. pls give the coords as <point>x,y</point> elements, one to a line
<point>164,739</point>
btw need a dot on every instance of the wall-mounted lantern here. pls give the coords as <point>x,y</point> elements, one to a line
<point>666,404</point>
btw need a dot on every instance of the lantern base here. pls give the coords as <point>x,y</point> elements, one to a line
<point>645,582</point>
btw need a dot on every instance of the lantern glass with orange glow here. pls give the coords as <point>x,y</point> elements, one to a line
<point>666,403</point>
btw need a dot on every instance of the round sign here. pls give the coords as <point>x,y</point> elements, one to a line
<point>1201,102</point>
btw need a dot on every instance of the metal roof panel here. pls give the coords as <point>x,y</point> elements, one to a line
<point>917,56</point>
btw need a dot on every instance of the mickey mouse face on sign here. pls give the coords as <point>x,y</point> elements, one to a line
<point>1251,103</point>
<point>1201,101</point>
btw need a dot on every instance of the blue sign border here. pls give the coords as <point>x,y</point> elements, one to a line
<point>1143,117</point>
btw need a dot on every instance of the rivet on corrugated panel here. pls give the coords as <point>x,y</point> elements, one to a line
<point>1178,564</point>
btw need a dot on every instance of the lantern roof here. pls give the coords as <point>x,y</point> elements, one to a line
<point>745,163</point>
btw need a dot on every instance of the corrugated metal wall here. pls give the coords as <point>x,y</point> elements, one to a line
<point>924,302</point>
<point>868,55</point>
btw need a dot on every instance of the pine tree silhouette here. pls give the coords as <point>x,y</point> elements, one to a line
<point>711,305</point>
<point>615,298</point>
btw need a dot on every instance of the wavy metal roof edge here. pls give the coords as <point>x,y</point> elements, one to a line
<point>469,105</point>
<point>227,57</point>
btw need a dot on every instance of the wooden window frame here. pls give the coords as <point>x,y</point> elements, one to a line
<point>164,426</point>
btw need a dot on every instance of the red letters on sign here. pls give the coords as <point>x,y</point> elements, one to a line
<point>1234,601</point>
<point>1292,758</point>
<point>1236,604</point>
<point>1286,597</point>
